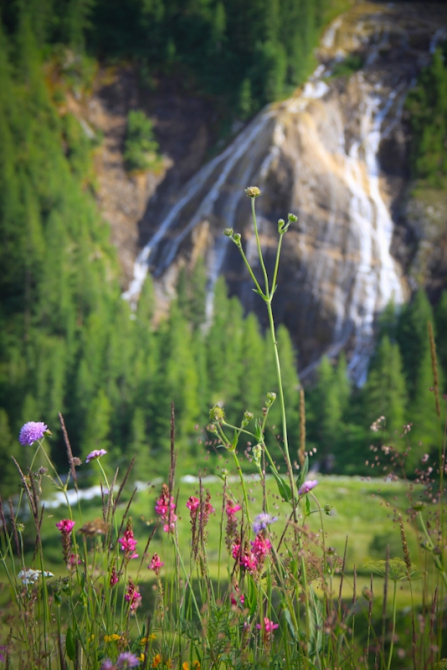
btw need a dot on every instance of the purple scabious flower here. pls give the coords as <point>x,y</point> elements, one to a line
<point>107,665</point>
<point>127,660</point>
<point>96,453</point>
<point>307,486</point>
<point>32,431</point>
<point>262,521</point>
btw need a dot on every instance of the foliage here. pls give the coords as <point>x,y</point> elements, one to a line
<point>140,149</point>
<point>427,104</point>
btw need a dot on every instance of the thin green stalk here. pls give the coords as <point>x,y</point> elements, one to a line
<point>258,243</point>
<point>431,547</point>
<point>394,626</point>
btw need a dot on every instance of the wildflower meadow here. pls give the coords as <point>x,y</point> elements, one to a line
<point>220,577</point>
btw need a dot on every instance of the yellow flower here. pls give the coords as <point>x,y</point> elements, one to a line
<point>91,638</point>
<point>156,660</point>
<point>185,665</point>
<point>112,638</point>
<point>141,657</point>
<point>147,639</point>
<point>168,663</point>
<point>196,665</point>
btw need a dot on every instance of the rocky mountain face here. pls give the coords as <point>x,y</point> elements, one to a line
<point>334,154</point>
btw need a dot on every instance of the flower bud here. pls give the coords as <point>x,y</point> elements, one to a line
<point>217,413</point>
<point>271,397</point>
<point>229,232</point>
<point>292,218</point>
<point>367,593</point>
<point>327,509</point>
<point>252,191</point>
<point>418,506</point>
<point>236,239</point>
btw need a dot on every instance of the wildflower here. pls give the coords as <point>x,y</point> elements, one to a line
<point>30,576</point>
<point>128,543</point>
<point>156,660</point>
<point>114,579</point>
<point>231,529</point>
<point>262,521</point>
<point>132,596</point>
<point>307,486</point>
<point>107,665</point>
<point>252,191</point>
<point>149,638</point>
<point>193,505</point>
<point>73,560</point>
<point>141,657</point>
<point>424,458</point>
<point>217,413</point>
<point>112,638</point>
<point>155,564</point>
<point>32,431</point>
<point>165,507</point>
<point>260,548</point>
<point>268,627</point>
<point>65,526</point>
<point>96,453</point>
<point>127,660</point>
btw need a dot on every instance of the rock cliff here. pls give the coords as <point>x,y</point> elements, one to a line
<point>335,154</point>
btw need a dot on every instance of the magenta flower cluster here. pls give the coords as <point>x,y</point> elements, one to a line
<point>96,453</point>
<point>165,507</point>
<point>252,560</point>
<point>128,544</point>
<point>32,431</point>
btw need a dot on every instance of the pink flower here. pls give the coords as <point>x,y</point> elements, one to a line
<point>307,486</point>
<point>155,564</point>
<point>261,547</point>
<point>269,626</point>
<point>96,453</point>
<point>193,504</point>
<point>114,579</point>
<point>128,544</point>
<point>232,509</point>
<point>165,507</point>
<point>65,526</point>
<point>132,596</point>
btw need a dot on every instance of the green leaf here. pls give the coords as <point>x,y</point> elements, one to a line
<point>315,624</point>
<point>70,645</point>
<point>283,488</point>
<point>307,506</point>
<point>290,624</point>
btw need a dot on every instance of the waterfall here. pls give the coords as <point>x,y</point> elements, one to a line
<point>327,136</point>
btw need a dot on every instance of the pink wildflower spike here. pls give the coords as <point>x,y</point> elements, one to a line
<point>307,486</point>
<point>269,626</point>
<point>114,579</point>
<point>261,547</point>
<point>232,523</point>
<point>165,507</point>
<point>128,544</point>
<point>155,564</point>
<point>66,525</point>
<point>132,596</point>
<point>193,504</point>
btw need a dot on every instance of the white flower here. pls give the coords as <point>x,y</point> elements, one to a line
<point>31,576</point>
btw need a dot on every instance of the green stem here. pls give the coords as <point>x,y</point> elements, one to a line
<point>431,547</point>
<point>258,243</point>
<point>394,626</point>
<point>275,273</point>
<point>281,400</point>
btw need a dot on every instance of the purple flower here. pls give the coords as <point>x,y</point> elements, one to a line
<point>107,665</point>
<point>262,521</point>
<point>96,453</point>
<point>127,660</point>
<point>32,431</point>
<point>307,486</point>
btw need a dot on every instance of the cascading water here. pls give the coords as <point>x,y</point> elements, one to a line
<point>323,143</point>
